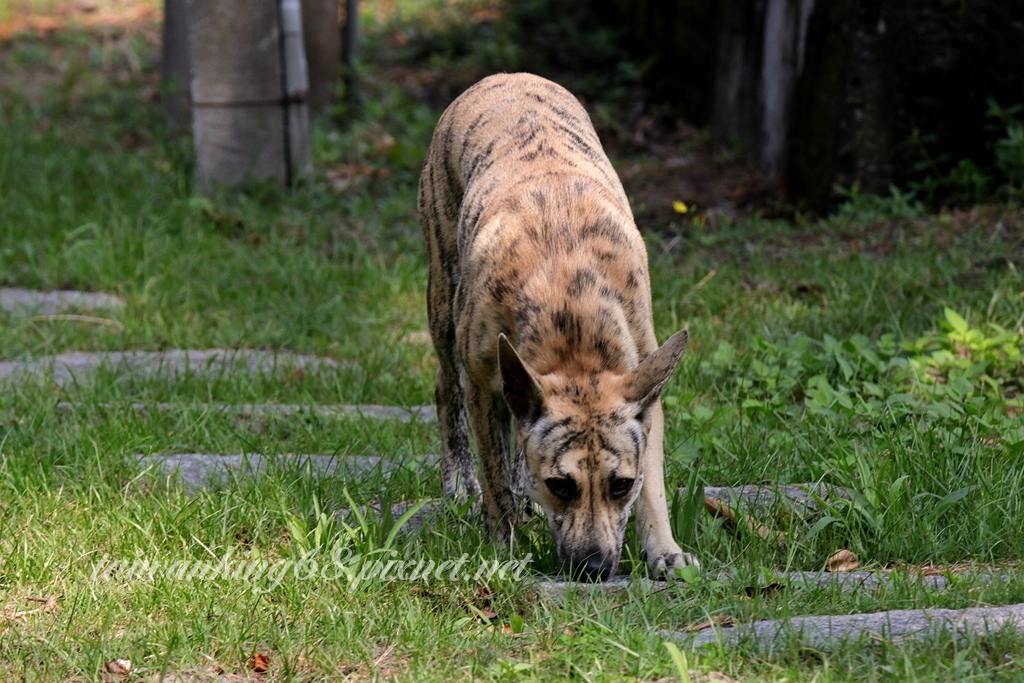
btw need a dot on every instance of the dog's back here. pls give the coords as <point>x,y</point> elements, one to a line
<point>520,202</point>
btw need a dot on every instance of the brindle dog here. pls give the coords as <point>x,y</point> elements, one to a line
<point>540,312</point>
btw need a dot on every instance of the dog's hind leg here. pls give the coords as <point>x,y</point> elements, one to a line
<point>458,472</point>
<point>438,210</point>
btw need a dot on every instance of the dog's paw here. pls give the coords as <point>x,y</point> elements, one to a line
<point>662,562</point>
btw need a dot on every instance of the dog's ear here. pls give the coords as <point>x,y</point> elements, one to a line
<point>644,387</point>
<point>522,391</point>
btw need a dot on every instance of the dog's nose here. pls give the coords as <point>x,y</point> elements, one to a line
<point>593,568</point>
<point>596,569</point>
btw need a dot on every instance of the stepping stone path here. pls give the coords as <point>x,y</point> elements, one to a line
<point>26,302</point>
<point>257,410</point>
<point>75,366</point>
<point>196,470</point>
<point>830,631</point>
<point>758,500</point>
<point>557,588</point>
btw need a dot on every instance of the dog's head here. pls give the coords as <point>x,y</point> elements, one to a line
<point>583,439</point>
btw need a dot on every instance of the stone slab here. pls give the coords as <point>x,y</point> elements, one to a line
<point>557,587</point>
<point>25,302</point>
<point>67,367</point>
<point>429,514</point>
<point>257,410</point>
<point>830,631</point>
<point>197,470</point>
<point>759,499</point>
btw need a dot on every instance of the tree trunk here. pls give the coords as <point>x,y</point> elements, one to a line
<point>323,51</point>
<point>175,69</point>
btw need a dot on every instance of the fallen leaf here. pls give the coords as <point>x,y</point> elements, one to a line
<point>259,662</point>
<point>701,677</point>
<point>342,176</point>
<point>384,656</point>
<point>710,677</point>
<point>487,14</point>
<point>118,666</point>
<point>50,604</point>
<point>841,561</point>
<point>745,523</point>
<point>489,613</point>
<point>84,19</point>
<point>717,508</point>
<point>417,338</point>
<point>722,620</point>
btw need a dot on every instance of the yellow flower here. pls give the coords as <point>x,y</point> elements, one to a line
<point>680,207</point>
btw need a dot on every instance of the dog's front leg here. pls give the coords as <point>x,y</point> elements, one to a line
<point>491,422</point>
<point>652,523</point>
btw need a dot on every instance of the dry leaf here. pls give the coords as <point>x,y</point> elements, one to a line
<point>86,19</point>
<point>417,338</point>
<point>50,605</point>
<point>702,677</point>
<point>483,595</point>
<point>710,677</point>
<point>722,620</point>
<point>841,561</point>
<point>118,666</point>
<point>487,14</point>
<point>342,176</point>
<point>259,662</point>
<point>717,508</point>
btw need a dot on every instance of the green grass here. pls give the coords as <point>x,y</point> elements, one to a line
<point>820,350</point>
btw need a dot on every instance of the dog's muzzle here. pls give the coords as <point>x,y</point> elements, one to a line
<point>594,565</point>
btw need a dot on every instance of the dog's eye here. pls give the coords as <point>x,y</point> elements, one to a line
<point>564,489</point>
<point>620,487</point>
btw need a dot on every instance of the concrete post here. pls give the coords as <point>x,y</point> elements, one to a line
<point>249,87</point>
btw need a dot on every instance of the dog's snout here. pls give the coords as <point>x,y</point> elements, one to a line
<point>597,569</point>
<point>594,566</point>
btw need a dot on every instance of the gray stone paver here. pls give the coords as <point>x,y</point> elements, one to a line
<point>25,302</point>
<point>196,470</point>
<point>757,499</point>
<point>558,587</point>
<point>430,513</point>
<point>67,367</point>
<point>253,410</point>
<point>830,631</point>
